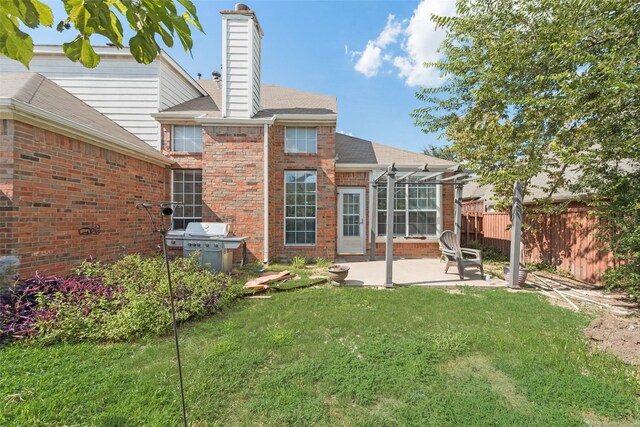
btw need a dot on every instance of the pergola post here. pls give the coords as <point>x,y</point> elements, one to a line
<point>373,220</point>
<point>457,227</point>
<point>516,235</point>
<point>391,191</point>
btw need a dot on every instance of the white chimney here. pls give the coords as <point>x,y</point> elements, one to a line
<point>241,53</point>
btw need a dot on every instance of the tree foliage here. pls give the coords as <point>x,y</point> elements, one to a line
<point>547,86</point>
<point>442,152</point>
<point>148,19</point>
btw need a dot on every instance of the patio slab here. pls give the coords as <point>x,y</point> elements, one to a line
<point>415,272</point>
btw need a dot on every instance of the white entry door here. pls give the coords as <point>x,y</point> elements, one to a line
<point>351,213</point>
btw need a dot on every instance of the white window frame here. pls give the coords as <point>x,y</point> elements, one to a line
<point>315,213</point>
<point>180,209</point>
<point>438,211</point>
<point>173,139</point>
<point>287,147</point>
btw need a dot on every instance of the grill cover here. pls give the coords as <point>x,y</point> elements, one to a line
<point>206,229</point>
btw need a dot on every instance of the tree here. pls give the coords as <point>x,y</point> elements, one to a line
<point>442,152</point>
<point>147,19</point>
<point>545,86</point>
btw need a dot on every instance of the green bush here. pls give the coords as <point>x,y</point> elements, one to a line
<point>488,253</point>
<point>140,304</point>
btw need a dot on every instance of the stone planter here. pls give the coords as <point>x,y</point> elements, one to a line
<point>522,275</point>
<point>337,273</point>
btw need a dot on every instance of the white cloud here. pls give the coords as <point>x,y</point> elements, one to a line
<point>407,45</point>
<point>371,59</point>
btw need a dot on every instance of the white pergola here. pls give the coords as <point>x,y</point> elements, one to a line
<point>424,175</point>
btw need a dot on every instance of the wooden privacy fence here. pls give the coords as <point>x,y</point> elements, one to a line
<point>565,240</point>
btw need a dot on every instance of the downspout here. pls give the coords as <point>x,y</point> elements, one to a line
<point>265,180</point>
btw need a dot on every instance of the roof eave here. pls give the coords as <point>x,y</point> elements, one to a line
<point>40,117</point>
<point>350,167</point>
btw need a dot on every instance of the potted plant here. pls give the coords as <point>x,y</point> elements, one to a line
<point>338,273</point>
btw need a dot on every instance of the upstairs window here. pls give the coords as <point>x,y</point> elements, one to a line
<point>416,210</point>
<point>301,140</point>
<point>187,138</point>
<point>187,190</point>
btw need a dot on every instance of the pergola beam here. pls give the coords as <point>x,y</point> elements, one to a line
<point>516,235</point>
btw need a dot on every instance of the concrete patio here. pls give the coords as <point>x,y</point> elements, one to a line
<point>415,272</point>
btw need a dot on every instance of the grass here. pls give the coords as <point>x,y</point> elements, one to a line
<point>336,356</point>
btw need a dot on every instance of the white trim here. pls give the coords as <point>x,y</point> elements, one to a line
<point>354,167</point>
<point>223,106</point>
<point>307,118</point>
<point>227,121</point>
<point>42,118</point>
<point>265,180</point>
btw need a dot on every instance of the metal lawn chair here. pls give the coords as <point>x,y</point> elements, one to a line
<point>456,255</point>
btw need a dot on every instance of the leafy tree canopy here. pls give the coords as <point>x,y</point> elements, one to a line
<point>547,86</point>
<point>147,18</point>
<point>441,152</point>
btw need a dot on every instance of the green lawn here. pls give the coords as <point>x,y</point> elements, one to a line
<point>336,356</point>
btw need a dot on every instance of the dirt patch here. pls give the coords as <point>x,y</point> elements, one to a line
<point>618,336</point>
<point>455,291</point>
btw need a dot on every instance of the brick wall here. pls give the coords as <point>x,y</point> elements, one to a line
<point>232,188</point>
<point>53,185</point>
<point>324,164</point>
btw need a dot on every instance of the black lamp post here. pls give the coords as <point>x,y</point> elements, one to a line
<point>165,212</point>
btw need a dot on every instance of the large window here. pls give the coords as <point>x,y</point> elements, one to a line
<point>187,190</point>
<point>416,210</point>
<point>187,138</point>
<point>301,140</point>
<point>300,207</point>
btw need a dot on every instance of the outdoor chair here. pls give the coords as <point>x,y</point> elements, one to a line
<point>455,255</point>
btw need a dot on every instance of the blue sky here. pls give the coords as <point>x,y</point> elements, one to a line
<point>366,53</point>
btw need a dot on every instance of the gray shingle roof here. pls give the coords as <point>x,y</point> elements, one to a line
<point>352,150</point>
<point>274,99</point>
<point>537,189</point>
<point>39,92</point>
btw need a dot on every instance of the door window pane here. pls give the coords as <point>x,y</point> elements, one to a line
<point>187,190</point>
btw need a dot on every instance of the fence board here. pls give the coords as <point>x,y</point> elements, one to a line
<point>565,240</point>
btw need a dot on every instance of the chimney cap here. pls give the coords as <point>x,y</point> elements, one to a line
<point>242,7</point>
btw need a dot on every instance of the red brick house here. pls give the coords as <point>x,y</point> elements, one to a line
<point>264,158</point>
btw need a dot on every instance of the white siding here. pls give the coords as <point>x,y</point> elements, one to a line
<point>241,51</point>
<point>119,87</point>
<point>256,65</point>
<point>174,88</point>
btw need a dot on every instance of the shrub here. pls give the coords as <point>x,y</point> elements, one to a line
<point>118,302</point>
<point>298,262</point>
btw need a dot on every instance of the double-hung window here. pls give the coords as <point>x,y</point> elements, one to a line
<point>187,190</point>
<point>415,213</point>
<point>300,195</point>
<point>187,138</point>
<point>301,140</point>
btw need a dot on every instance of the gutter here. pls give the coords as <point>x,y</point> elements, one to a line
<point>265,181</point>
<point>350,167</point>
<point>201,118</point>
<point>40,117</point>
